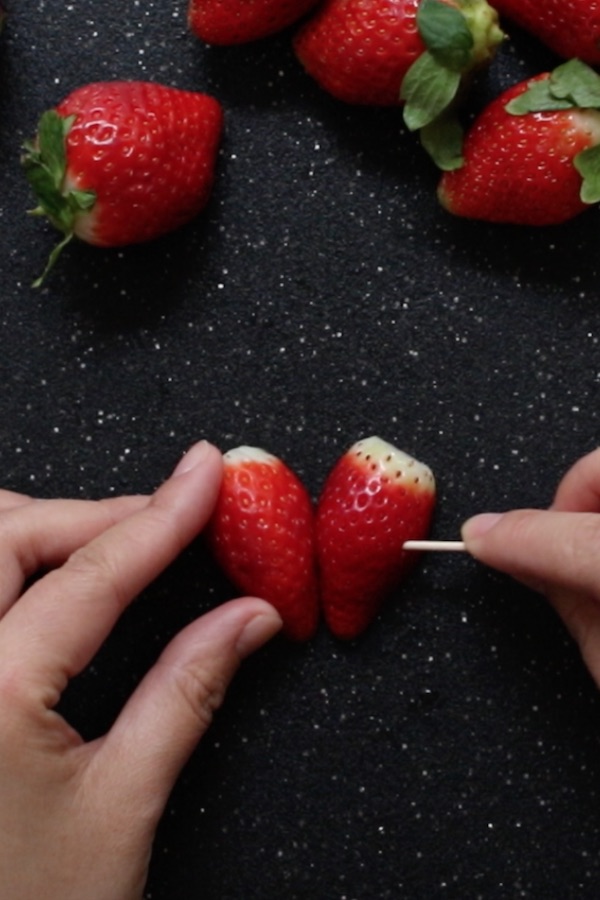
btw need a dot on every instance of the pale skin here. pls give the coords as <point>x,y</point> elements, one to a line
<point>555,552</point>
<point>77,819</point>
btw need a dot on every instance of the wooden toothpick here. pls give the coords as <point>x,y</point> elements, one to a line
<point>435,545</point>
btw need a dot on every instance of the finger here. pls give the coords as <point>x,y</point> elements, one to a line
<point>41,534</point>
<point>10,499</point>
<point>171,709</point>
<point>579,490</point>
<point>60,622</point>
<point>544,549</point>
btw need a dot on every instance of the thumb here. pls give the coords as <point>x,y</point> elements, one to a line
<point>543,549</point>
<point>170,710</point>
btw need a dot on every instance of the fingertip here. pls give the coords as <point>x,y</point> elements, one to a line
<point>259,629</point>
<point>478,526</point>
<point>236,628</point>
<point>192,490</point>
<point>198,455</point>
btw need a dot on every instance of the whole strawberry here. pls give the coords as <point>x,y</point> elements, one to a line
<point>229,22</point>
<point>262,536</point>
<point>571,28</point>
<point>532,156</point>
<point>387,52</point>
<point>122,162</point>
<point>375,498</point>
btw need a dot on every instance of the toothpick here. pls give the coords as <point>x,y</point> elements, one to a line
<point>435,545</point>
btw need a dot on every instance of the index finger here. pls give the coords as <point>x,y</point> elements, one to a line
<point>543,549</point>
<point>61,621</point>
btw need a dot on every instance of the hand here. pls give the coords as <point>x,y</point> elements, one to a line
<point>77,819</point>
<point>555,552</point>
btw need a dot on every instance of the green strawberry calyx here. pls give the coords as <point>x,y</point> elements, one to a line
<point>45,165</point>
<point>460,36</point>
<point>572,85</point>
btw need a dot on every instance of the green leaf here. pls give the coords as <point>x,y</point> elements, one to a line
<point>587,164</point>
<point>445,33</point>
<point>52,133</point>
<point>80,201</point>
<point>443,140</point>
<point>537,98</point>
<point>428,89</point>
<point>577,82</point>
<point>572,85</point>
<point>45,162</point>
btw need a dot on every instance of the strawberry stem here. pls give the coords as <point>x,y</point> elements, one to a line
<point>459,37</point>
<point>45,164</point>
<point>54,254</point>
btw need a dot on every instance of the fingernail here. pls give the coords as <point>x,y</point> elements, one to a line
<point>257,632</point>
<point>194,456</point>
<point>479,525</point>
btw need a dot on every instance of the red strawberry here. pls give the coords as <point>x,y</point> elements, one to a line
<point>365,51</point>
<point>532,156</point>
<point>124,161</point>
<point>262,535</point>
<point>375,498</point>
<point>570,28</point>
<point>240,21</point>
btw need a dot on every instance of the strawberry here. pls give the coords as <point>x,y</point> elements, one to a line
<point>375,498</point>
<point>532,155</point>
<point>123,162</point>
<point>571,28</point>
<point>229,22</point>
<point>262,535</point>
<point>387,52</point>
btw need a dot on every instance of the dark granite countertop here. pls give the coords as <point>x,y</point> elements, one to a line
<point>453,751</point>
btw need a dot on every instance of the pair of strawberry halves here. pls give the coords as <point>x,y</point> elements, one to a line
<point>342,558</point>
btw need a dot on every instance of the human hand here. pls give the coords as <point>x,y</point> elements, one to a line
<point>554,551</point>
<point>77,819</point>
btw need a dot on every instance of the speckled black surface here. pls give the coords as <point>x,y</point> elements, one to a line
<point>323,296</point>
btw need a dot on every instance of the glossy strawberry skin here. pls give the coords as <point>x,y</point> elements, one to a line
<point>262,536</point>
<point>360,51</point>
<point>519,169</point>
<point>571,28</point>
<point>228,22</point>
<point>147,151</point>
<point>374,499</point>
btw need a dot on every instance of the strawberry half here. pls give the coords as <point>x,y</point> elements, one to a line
<point>123,162</point>
<point>375,498</point>
<point>570,28</point>
<point>532,157</point>
<point>387,52</point>
<point>262,535</point>
<point>229,22</point>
